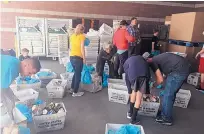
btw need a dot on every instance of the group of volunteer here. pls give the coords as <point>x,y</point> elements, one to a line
<point>122,56</point>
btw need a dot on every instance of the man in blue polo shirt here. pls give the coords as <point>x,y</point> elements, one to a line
<point>11,67</point>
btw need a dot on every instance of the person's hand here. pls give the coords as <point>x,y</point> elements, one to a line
<point>197,55</point>
<point>159,80</point>
<point>84,61</point>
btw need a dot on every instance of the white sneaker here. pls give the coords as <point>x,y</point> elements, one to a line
<point>78,94</point>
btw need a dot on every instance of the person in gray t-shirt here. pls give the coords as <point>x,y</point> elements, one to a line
<point>177,69</point>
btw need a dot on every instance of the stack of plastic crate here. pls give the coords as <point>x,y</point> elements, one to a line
<point>106,34</point>
<point>92,49</point>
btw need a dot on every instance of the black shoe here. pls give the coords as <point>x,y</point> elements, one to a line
<point>158,119</point>
<point>129,115</point>
<point>163,122</point>
<point>135,122</point>
<point>159,113</point>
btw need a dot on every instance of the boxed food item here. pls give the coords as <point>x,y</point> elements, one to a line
<point>118,93</point>
<point>149,106</point>
<point>194,79</point>
<point>113,128</point>
<point>49,117</point>
<point>56,88</point>
<point>182,98</point>
<point>187,27</point>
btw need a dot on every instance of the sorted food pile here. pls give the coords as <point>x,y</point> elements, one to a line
<point>51,108</point>
<point>150,98</point>
<point>26,80</point>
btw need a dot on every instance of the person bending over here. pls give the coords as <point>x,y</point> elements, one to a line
<point>10,69</point>
<point>137,76</point>
<point>177,69</point>
<point>106,55</point>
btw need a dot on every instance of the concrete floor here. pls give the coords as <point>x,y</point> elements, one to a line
<point>90,113</point>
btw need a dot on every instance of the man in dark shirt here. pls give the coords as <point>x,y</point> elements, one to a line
<point>106,54</point>
<point>177,69</point>
<point>137,75</point>
<point>155,45</point>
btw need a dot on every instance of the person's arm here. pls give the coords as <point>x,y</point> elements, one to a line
<point>158,74</point>
<point>129,37</point>
<point>153,46</point>
<point>98,61</point>
<point>82,49</point>
<point>128,84</point>
<point>114,40</point>
<point>153,43</point>
<point>199,53</point>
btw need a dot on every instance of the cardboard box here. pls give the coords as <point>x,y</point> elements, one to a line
<point>190,51</point>
<point>167,20</point>
<point>187,27</point>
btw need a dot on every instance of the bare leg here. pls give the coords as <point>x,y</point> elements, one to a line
<point>202,81</point>
<point>132,103</point>
<point>138,98</point>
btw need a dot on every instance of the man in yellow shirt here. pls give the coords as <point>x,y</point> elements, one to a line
<point>77,58</point>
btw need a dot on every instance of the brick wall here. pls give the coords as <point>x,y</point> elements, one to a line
<point>78,9</point>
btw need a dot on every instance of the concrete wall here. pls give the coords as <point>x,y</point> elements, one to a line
<point>104,11</point>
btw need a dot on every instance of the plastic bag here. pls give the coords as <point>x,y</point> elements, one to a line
<point>26,80</point>
<point>69,67</point>
<point>23,130</point>
<point>105,80</point>
<point>86,76</point>
<point>126,129</point>
<point>25,111</point>
<point>86,42</point>
<point>44,73</point>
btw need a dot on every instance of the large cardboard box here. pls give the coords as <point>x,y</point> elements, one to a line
<point>190,51</point>
<point>187,27</point>
<point>167,20</point>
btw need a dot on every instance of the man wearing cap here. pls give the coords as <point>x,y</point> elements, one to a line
<point>177,69</point>
<point>121,39</point>
<point>134,47</point>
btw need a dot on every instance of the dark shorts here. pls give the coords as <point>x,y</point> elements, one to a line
<point>141,84</point>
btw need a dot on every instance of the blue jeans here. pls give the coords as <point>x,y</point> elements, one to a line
<point>77,63</point>
<point>173,84</point>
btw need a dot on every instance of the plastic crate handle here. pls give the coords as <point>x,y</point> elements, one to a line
<point>51,94</point>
